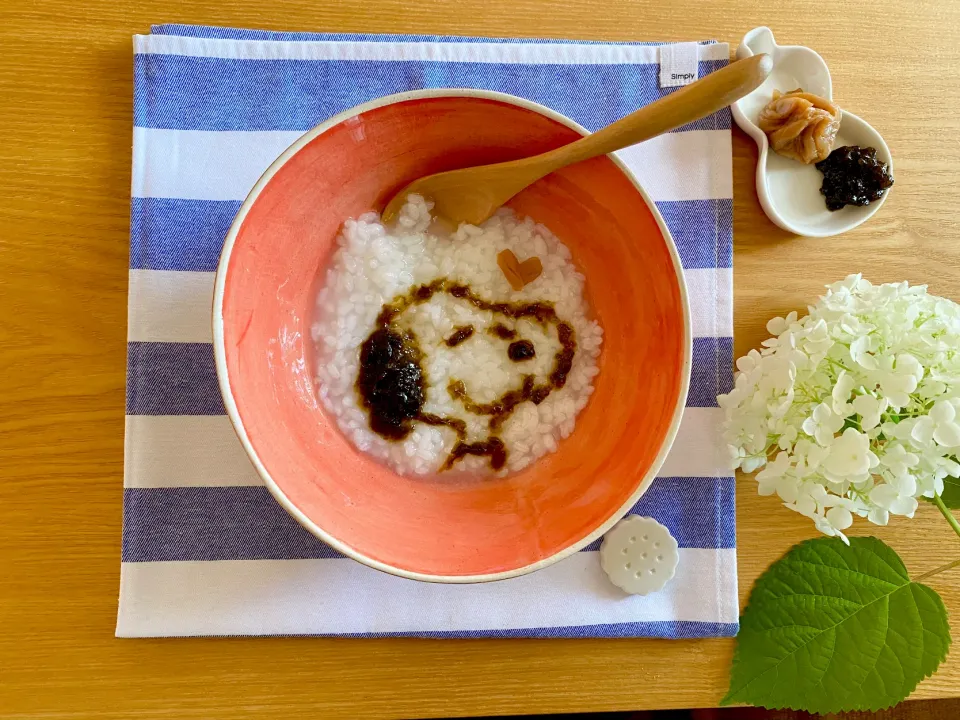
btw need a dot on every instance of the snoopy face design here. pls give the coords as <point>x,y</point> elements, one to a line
<point>447,357</point>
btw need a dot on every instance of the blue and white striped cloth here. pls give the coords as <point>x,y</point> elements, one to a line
<point>206,550</point>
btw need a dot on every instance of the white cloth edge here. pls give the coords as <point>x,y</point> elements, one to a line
<point>281,597</point>
<point>565,53</point>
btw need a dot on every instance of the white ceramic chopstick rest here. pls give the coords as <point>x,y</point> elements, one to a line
<point>639,555</point>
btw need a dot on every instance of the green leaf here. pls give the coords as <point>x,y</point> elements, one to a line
<point>830,628</point>
<point>951,492</point>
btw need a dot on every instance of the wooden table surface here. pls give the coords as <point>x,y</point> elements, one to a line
<point>65,127</point>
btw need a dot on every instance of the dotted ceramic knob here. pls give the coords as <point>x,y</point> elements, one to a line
<point>639,555</point>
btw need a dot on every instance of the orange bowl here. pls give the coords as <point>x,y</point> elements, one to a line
<point>446,529</point>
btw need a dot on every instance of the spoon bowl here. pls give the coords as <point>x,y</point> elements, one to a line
<point>789,191</point>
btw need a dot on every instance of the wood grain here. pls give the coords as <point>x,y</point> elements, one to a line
<point>65,128</point>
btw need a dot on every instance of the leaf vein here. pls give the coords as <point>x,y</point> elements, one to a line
<point>819,634</point>
<point>849,570</point>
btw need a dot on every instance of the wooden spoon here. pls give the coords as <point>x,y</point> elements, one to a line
<point>473,194</point>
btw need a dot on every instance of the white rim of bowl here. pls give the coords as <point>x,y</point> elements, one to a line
<point>234,415</point>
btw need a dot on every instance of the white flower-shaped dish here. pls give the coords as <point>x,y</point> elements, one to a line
<point>789,191</point>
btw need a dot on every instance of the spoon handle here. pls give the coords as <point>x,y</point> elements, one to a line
<point>691,102</point>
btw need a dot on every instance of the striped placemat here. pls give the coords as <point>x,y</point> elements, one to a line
<point>206,550</point>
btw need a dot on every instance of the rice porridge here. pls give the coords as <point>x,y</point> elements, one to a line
<point>432,361</point>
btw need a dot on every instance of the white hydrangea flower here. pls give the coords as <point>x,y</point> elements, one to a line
<point>823,424</point>
<point>870,410</point>
<point>853,409</point>
<point>938,426</point>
